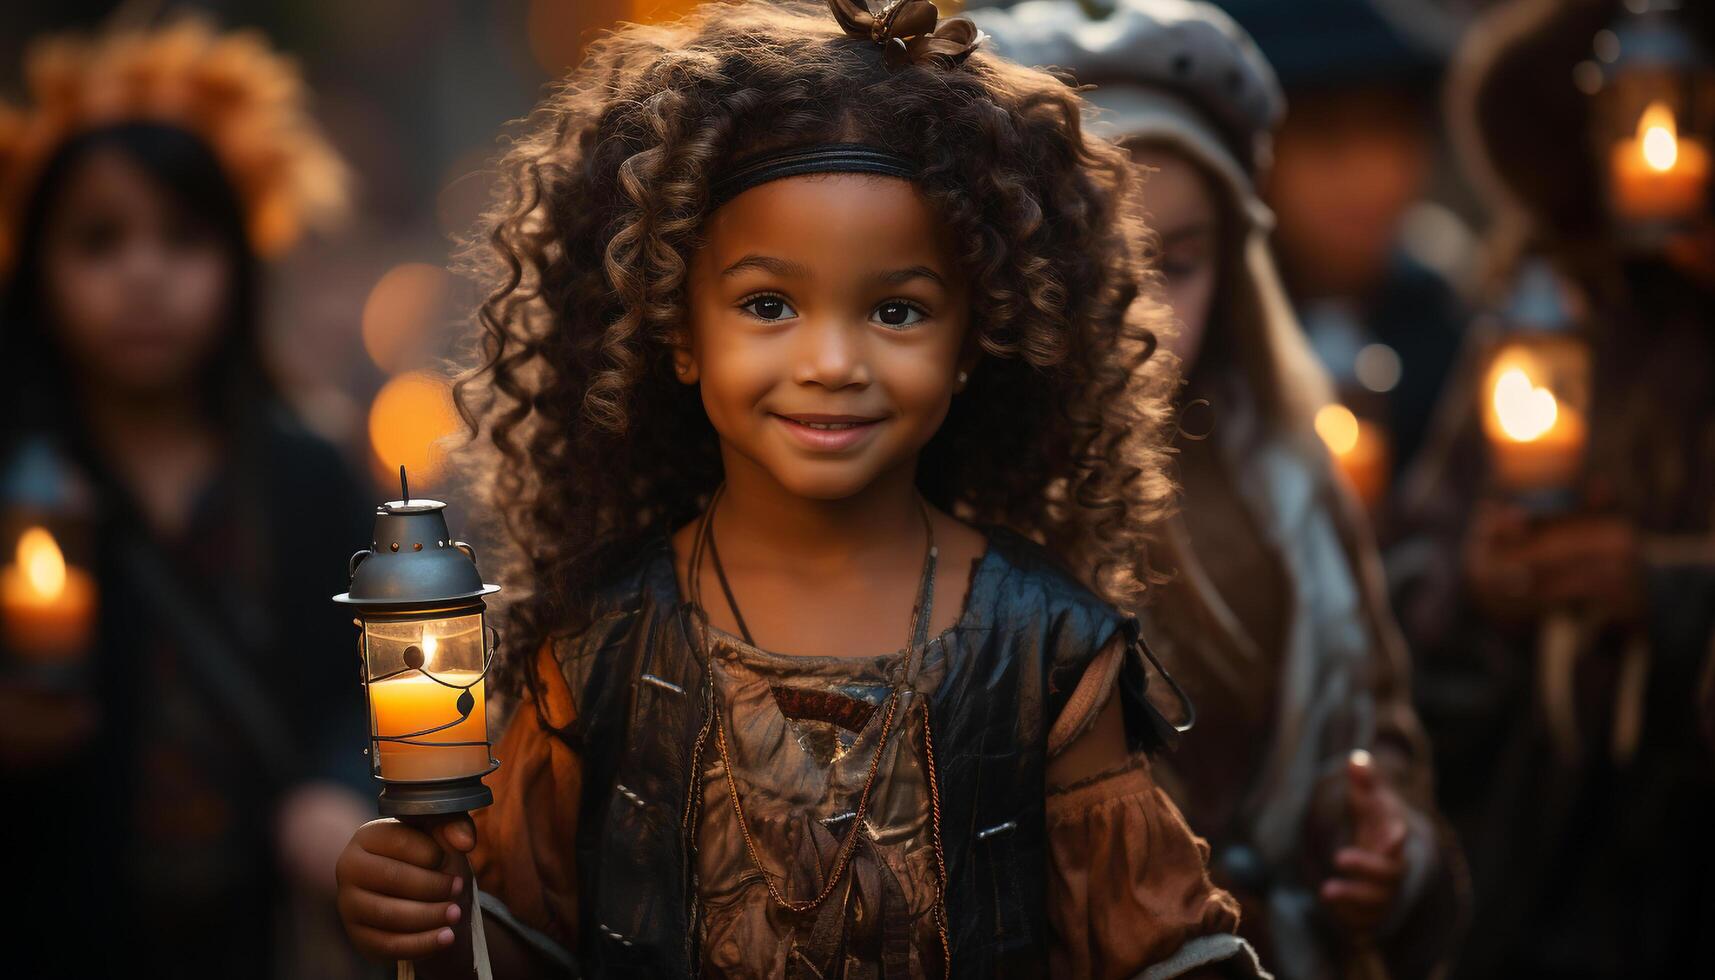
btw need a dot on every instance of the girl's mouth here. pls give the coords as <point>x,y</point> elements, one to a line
<point>828,433</point>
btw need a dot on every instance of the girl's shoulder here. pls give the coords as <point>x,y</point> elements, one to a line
<point>1029,575</point>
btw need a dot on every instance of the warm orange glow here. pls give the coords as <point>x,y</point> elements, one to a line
<point>401,312</point>
<point>1536,435</point>
<point>1360,451</point>
<point>660,11</point>
<point>1658,137</point>
<point>47,608</point>
<point>413,702</point>
<point>410,415</point>
<point>1657,174</point>
<point>43,564</point>
<point>1338,427</point>
<point>431,644</point>
<point>1523,411</point>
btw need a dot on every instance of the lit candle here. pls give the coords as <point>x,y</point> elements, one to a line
<point>412,702</point>
<point>48,606</point>
<point>1537,442</point>
<point>1360,451</point>
<point>1658,174</point>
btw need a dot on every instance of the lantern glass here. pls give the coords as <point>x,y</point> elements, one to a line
<point>425,675</point>
<point>1536,403</point>
<point>1654,119</point>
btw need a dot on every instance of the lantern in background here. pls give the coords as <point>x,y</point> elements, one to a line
<point>47,596</point>
<point>1653,89</point>
<point>1360,452</point>
<point>426,650</point>
<point>1536,403</point>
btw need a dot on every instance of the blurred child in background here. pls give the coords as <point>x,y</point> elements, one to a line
<point>1274,616</point>
<point>208,774</point>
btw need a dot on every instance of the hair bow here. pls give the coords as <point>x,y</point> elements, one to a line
<point>908,31</point>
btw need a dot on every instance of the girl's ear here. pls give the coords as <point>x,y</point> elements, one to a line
<point>684,365</point>
<point>968,359</point>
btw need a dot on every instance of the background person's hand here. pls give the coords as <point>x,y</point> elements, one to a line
<point>1519,569</point>
<point>1591,562</point>
<point>399,884</point>
<point>1369,871</point>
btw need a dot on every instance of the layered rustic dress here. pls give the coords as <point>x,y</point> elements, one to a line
<point>613,843</point>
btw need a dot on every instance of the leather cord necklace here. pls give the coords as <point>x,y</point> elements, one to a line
<point>916,645</point>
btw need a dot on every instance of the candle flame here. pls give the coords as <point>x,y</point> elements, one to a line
<point>1525,412</point>
<point>431,643</point>
<point>1338,427</point>
<point>43,564</point>
<point>1659,137</point>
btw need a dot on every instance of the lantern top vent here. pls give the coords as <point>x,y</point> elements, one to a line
<point>413,559</point>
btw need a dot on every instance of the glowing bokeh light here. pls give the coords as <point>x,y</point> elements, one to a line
<point>1525,412</point>
<point>43,563</point>
<point>401,313</point>
<point>411,414</point>
<point>1338,428</point>
<point>1659,137</point>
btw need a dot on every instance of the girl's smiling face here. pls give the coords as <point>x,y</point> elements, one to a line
<point>827,330</point>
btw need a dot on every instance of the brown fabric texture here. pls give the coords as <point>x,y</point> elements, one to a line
<point>1127,883</point>
<point>799,780</point>
<point>524,854</point>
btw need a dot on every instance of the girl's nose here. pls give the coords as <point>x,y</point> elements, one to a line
<point>831,354</point>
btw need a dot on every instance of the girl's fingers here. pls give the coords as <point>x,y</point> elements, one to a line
<point>394,946</point>
<point>456,833</point>
<point>390,838</point>
<point>396,915</point>
<point>386,876</point>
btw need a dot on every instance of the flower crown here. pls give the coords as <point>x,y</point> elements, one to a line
<point>248,103</point>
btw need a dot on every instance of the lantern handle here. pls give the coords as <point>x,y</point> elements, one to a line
<point>469,552</point>
<point>356,560</point>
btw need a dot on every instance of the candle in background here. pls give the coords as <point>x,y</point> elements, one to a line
<point>1536,440</point>
<point>1360,451</point>
<point>413,701</point>
<point>1658,174</point>
<point>48,607</point>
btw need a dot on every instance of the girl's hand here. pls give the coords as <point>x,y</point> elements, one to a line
<point>398,885</point>
<point>1368,873</point>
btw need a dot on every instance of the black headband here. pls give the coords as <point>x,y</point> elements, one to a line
<point>830,158</point>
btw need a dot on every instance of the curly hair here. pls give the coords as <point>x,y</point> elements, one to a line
<point>592,444</point>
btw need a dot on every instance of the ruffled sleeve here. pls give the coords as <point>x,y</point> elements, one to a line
<point>524,862</point>
<point>1129,893</point>
<point>1128,888</point>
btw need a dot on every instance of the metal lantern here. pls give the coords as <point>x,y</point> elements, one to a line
<point>1535,392</point>
<point>1653,104</point>
<point>426,650</point>
<point>48,595</point>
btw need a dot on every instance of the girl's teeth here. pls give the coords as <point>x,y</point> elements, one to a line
<point>830,425</point>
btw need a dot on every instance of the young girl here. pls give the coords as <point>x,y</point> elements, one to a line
<point>776,295</point>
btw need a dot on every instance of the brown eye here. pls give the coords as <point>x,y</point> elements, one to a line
<point>768,307</point>
<point>898,313</point>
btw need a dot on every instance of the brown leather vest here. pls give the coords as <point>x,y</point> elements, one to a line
<point>1027,633</point>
